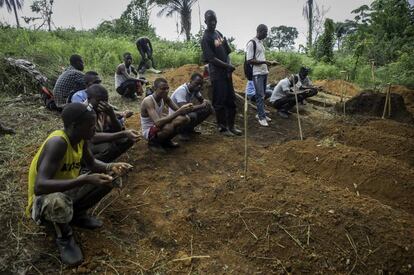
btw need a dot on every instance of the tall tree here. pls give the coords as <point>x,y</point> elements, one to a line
<point>45,9</point>
<point>181,7</point>
<point>281,37</point>
<point>325,43</point>
<point>12,5</point>
<point>308,14</point>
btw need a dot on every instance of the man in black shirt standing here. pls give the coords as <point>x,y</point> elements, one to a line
<point>216,52</point>
<point>144,47</point>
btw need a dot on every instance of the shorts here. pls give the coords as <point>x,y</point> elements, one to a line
<point>152,133</point>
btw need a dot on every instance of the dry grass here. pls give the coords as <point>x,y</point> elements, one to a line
<point>32,123</point>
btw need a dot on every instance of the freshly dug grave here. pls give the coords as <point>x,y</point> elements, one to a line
<point>191,211</point>
<point>372,104</point>
<point>337,87</point>
<point>407,94</point>
<point>386,137</point>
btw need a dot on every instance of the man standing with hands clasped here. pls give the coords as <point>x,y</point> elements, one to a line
<point>255,57</point>
<point>216,52</point>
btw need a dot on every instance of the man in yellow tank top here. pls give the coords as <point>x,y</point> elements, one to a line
<point>57,193</point>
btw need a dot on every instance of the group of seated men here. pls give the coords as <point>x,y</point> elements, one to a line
<point>282,95</point>
<point>75,167</point>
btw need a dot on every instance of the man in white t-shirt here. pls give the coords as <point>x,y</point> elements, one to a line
<point>283,96</point>
<point>190,93</point>
<point>255,56</point>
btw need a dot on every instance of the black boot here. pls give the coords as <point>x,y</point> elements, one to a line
<point>231,116</point>
<point>170,144</point>
<point>70,252</point>
<point>85,221</point>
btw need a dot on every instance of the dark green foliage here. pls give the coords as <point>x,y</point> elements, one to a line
<point>281,37</point>
<point>323,50</point>
<point>134,21</point>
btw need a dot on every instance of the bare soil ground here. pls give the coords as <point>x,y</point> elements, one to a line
<point>338,202</point>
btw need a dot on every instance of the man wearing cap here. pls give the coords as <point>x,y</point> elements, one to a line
<point>304,83</point>
<point>57,194</point>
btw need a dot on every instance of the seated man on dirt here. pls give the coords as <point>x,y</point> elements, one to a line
<point>91,78</point>
<point>283,97</point>
<point>157,128</point>
<point>304,83</point>
<point>57,194</point>
<point>72,79</point>
<point>125,84</point>
<point>110,141</point>
<point>81,96</point>
<point>187,93</point>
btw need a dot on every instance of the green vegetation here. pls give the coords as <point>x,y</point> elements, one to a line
<point>381,33</point>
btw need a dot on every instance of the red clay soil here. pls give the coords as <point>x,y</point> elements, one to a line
<point>178,76</point>
<point>335,87</point>
<point>276,73</point>
<point>407,94</point>
<point>317,206</point>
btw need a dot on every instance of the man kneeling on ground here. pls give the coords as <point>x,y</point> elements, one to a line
<point>187,93</point>
<point>110,141</point>
<point>283,97</point>
<point>57,194</point>
<point>157,128</point>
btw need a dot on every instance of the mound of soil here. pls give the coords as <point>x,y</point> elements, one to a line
<point>178,76</point>
<point>407,94</point>
<point>276,73</point>
<point>385,137</point>
<point>372,104</point>
<point>335,87</point>
<point>357,169</point>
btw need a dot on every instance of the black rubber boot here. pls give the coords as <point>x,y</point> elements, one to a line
<point>70,252</point>
<point>87,222</point>
<point>231,116</point>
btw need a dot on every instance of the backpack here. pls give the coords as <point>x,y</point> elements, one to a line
<point>248,69</point>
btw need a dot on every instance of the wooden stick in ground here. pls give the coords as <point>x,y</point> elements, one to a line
<point>246,155</point>
<point>386,101</point>
<point>297,110</point>
<point>343,91</point>
<point>389,100</point>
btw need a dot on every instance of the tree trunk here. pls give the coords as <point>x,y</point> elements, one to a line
<point>49,24</point>
<point>310,23</point>
<point>15,13</point>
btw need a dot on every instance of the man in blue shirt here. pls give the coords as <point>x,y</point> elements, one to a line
<point>91,78</point>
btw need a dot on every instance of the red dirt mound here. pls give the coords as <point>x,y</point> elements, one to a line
<point>181,75</point>
<point>336,87</point>
<point>178,76</point>
<point>276,73</point>
<point>357,169</point>
<point>407,94</point>
<point>383,138</point>
<point>372,104</point>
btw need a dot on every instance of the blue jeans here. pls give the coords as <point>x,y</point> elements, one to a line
<point>260,82</point>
